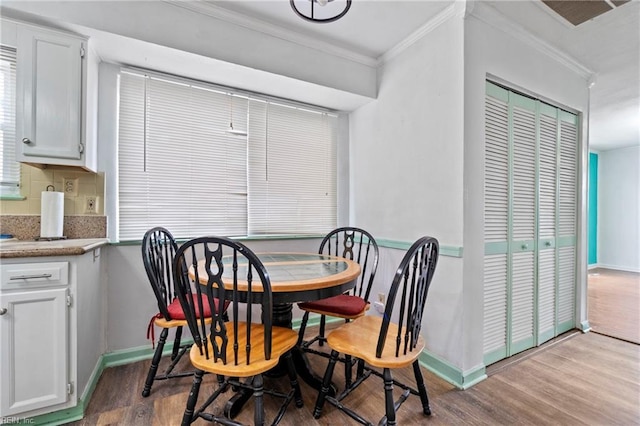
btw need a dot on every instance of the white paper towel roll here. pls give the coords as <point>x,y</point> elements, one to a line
<point>51,214</point>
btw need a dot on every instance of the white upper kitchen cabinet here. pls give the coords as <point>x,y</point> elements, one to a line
<point>54,102</point>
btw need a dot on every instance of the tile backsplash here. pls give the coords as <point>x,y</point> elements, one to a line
<point>34,180</point>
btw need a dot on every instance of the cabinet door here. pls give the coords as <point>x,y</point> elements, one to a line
<point>49,94</point>
<point>33,350</point>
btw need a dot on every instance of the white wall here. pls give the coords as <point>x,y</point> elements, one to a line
<point>494,48</point>
<point>619,209</point>
<point>407,172</point>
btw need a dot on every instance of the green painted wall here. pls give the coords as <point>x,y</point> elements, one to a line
<point>593,208</point>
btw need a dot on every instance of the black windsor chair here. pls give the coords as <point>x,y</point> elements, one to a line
<point>354,244</point>
<point>384,344</point>
<point>237,348</point>
<point>158,250</point>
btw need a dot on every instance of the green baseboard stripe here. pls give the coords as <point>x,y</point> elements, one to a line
<point>314,319</point>
<point>450,251</point>
<point>450,373</point>
<point>127,356</point>
<point>57,417</point>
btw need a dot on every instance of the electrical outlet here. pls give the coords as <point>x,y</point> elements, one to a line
<point>91,204</point>
<point>381,298</point>
<point>70,187</point>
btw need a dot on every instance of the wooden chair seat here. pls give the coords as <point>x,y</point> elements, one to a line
<point>283,340</point>
<point>358,339</point>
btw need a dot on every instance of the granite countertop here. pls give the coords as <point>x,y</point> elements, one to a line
<point>30,248</point>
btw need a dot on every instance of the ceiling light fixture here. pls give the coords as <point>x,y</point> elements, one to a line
<point>329,10</point>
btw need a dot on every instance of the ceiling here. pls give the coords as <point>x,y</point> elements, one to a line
<point>608,45</point>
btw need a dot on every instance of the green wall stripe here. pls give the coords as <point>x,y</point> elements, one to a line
<point>450,251</point>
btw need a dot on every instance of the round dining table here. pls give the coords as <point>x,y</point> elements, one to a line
<point>295,277</point>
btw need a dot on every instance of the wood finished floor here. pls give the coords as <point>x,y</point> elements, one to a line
<point>580,379</point>
<point>614,303</point>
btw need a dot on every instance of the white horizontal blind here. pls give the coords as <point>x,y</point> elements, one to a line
<point>10,170</point>
<point>180,167</point>
<point>292,169</point>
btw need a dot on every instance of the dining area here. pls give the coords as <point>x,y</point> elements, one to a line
<point>318,389</point>
<point>226,325</point>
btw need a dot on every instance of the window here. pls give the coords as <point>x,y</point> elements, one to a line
<point>10,170</point>
<point>205,160</point>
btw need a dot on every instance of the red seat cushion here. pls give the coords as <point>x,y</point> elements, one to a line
<point>176,312</point>
<point>343,304</point>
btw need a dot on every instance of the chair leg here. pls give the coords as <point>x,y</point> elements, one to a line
<point>153,369</point>
<point>193,398</point>
<point>303,327</point>
<point>422,389</point>
<point>326,384</point>
<point>321,340</point>
<point>258,392</point>
<point>293,379</point>
<point>360,370</point>
<point>389,405</point>
<point>176,343</point>
<point>347,371</point>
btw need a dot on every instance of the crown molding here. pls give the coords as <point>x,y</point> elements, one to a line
<point>442,17</point>
<point>492,17</point>
<point>254,24</point>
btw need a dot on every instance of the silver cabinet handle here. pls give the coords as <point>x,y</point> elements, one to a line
<point>26,141</point>
<point>3,311</point>
<point>30,277</point>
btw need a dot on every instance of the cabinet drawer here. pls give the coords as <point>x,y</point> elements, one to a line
<point>34,275</point>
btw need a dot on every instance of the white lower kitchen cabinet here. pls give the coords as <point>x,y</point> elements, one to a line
<point>51,334</point>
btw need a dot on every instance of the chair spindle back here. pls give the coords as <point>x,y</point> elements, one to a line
<point>224,271</point>
<point>412,279</point>
<point>158,251</point>
<point>358,245</point>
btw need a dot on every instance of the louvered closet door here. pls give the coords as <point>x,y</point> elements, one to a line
<point>496,221</point>
<point>547,208</point>
<point>523,231</point>
<point>529,222</point>
<point>567,220</point>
